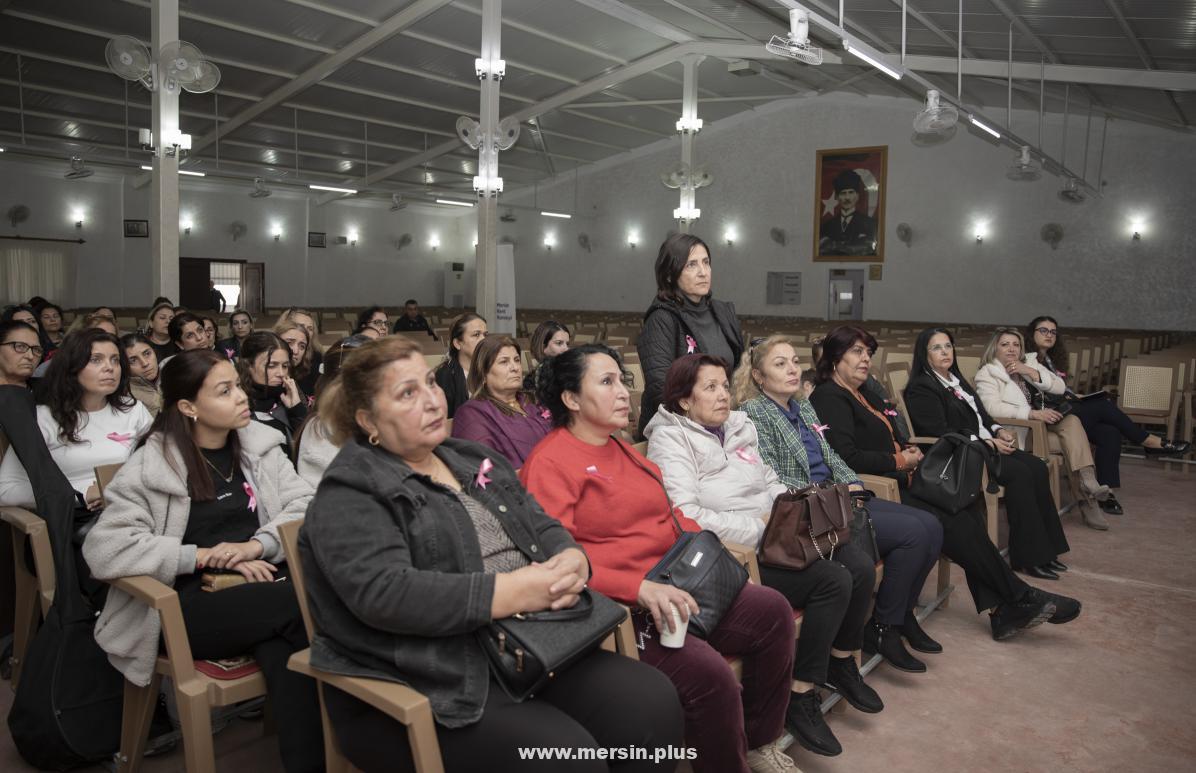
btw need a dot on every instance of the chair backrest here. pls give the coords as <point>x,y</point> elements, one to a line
<point>289,533</point>
<point>897,376</point>
<point>104,475</point>
<point>642,447</point>
<point>968,366</point>
<point>1145,386</point>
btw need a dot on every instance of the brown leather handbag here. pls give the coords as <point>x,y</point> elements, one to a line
<point>807,525</point>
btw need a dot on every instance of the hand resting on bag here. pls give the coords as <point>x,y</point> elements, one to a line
<point>655,597</point>
<point>554,584</point>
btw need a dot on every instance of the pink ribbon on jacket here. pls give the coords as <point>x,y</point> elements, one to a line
<point>890,412</point>
<point>124,439</point>
<point>230,354</point>
<point>690,345</point>
<point>746,455</point>
<point>545,414</point>
<point>481,481</point>
<point>593,470</point>
<point>820,428</point>
<point>252,498</point>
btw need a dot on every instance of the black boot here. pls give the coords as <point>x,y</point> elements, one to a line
<point>804,719</point>
<point>918,638</point>
<point>843,676</point>
<point>886,639</point>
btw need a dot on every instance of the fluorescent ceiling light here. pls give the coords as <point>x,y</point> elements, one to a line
<point>981,125</point>
<point>332,188</point>
<point>455,203</point>
<point>561,215</point>
<point>147,167</point>
<point>872,58</point>
<point>192,174</point>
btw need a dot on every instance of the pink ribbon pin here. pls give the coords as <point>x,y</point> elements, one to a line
<point>821,428</point>
<point>690,345</point>
<point>545,414</point>
<point>890,412</point>
<point>230,353</point>
<point>252,498</point>
<point>481,481</point>
<point>311,400</point>
<point>958,393</point>
<point>1062,374</point>
<point>746,455</point>
<point>593,470</point>
<point>124,440</point>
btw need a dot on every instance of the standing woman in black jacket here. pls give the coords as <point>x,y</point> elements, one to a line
<point>467,332</point>
<point>684,318</point>
<point>940,400</point>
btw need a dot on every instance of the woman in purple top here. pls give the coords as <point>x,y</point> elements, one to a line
<point>500,414</point>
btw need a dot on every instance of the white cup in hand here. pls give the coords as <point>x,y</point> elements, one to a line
<point>676,639</point>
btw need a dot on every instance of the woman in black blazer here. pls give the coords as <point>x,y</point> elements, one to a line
<point>940,400</point>
<point>860,430</point>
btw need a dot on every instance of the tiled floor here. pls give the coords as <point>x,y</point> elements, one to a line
<point>1111,691</point>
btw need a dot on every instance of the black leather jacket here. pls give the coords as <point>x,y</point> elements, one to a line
<point>394,571</point>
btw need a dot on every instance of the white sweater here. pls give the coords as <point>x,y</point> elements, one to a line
<point>107,436</point>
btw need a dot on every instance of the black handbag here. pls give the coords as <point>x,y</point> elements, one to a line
<point>699,564</point>
<point>863,532</point>
<point>527,650</point>
<point>1045,400</point>
<point>950,474</point>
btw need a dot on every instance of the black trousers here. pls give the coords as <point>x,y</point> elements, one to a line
<point>966,542</point>
<point>263,620</point>
<point>1106,425</point>
<point>834,597</point>
<point>1035,532</point>
<point>605,700</point>
<point>910,541</point>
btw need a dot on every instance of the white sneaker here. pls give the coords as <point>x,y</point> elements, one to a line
<point>770,759</point>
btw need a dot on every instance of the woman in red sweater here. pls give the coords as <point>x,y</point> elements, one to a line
<point>611,500</point>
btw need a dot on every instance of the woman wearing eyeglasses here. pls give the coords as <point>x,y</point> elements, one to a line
<point>20,352</point>
<point>374,317</point>
<point>1103,421</point>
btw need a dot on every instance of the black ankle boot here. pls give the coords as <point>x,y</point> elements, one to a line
<point>886,639</point>
<point>918,638</point>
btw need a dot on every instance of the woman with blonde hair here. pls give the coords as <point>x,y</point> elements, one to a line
<point>307,320</point>
<point>299,342</point>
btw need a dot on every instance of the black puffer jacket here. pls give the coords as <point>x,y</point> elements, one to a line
<point>663,340</point>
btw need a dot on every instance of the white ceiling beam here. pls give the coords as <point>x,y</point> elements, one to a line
<point>1143,55</point>
<point>1062,73</point>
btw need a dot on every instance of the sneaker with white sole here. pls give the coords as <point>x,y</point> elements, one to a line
<point>770,759</point>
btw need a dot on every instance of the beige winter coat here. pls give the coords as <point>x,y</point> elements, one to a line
<point>141,529</point>
<point>1003,398</point>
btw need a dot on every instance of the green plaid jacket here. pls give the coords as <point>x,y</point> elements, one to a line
<point>781,446</point>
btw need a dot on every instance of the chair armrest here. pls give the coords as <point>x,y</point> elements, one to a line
<point>923,440</point>
<point>1037,434</point>
<point>146,589</point>
<point>884,488</point>
<point>161,597</point>
<point>25,521</point>
<point>397,700</point>
<point>746,556</point>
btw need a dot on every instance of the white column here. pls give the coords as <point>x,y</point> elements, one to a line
<point>164,204</point>
<point>490,182</point>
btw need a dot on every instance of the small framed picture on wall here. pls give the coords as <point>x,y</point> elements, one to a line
<point>849,204</point>
<point>317,239</point>
<point>136,229</point>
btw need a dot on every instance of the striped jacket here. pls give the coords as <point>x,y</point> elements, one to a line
<point>781,446</point>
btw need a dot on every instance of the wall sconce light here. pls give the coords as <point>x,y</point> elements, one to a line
<point>1137,236</point>
<point>979,238</point>
<point>633,239</point>
<point>1137,227</point>
<point>549,241</point>
<point>186,225</point>
<point>730,236</point>
<point>475,240</point>
<point>981,230</point>
<point>276,231</point>
<point>434,242</point>
<point>353,237</point>
<point>77,215</point>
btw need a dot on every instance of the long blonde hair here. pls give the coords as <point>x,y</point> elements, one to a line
<point>990,351</point>
<point>304,367</point>
<point>314,338</point>
<point>743,386</point>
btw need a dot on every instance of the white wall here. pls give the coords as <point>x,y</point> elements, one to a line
<point>763,163</point>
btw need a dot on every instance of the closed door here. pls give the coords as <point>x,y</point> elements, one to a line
<point>846,301</point>
<point>253,288</point>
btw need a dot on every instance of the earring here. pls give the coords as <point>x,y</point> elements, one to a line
<point>373,438</point>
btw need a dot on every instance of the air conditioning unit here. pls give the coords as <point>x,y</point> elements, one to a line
<point>454,285</point>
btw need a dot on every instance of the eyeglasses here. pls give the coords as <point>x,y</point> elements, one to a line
<point>20,347</point>
<point>1046,331</point>
<point>378,323</point>
<point>942,348</point>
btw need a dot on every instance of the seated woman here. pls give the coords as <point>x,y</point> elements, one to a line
<point>612,501</point>
<point>50,315</point>
<point>500,415</point>
<point>298,342</point>
<point>466,333</point>
<point>86,415</point>
<point>206,489</point>
<point>186,333</point>
<point>549,339</point>
<point>794,443</point>
<point>1012,387</point>
<point>940,400</point>
<point>315,448</point>
<point>158,330</point>
<point>274,397</point>
<point>240,325</point>
<point>375,318</point>
<point>143,371</point>
<point>20,352</point>
<point>209,332</point>
<point>306,320</point>
<point>402,577</point>
<point>1104,422</point>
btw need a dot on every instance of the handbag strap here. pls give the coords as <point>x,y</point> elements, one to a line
<point>655,477</point>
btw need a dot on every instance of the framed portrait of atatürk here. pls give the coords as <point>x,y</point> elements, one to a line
<point>849,204</point>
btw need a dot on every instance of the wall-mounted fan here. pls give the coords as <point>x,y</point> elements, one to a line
<point>1052,234</point>
<point>397,203</point>
<point>1071,192</point>
<point>1024,168</point>
<point>237,229</point>
<point>905,233</point>
<point>17,214</point>
<point>935,123</point>
<point>260,191</point>
<point>508,216</point>
<point>511,240</point>
<point>796,45</point>
<point>78,169</point>
<point>402,241</point>
<point>778,235</point>
<point>583,241</point>
<point>470,132</point>
<point>179,65</point>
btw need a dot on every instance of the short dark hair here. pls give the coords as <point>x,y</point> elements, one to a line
<point>564,373</point>
<point>835,345</point>
<point>670,262</point>
<point>363,317</point>
<point>410,301</point>
<point>682,376</point>
<point>60,390</point>
<point>129,340</point>
<point>175,328</point>
<point>10,326</point>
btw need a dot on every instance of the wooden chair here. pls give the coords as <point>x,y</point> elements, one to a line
<point>34,592</point>
<point>1147,392</point>
<point>398,701</point>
